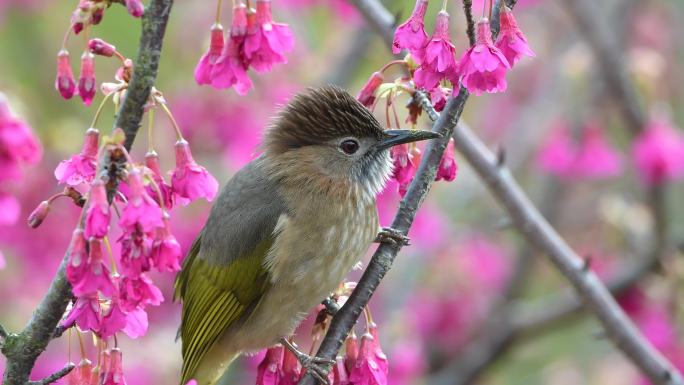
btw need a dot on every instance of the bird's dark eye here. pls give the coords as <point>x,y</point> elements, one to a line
<point>349,146</point>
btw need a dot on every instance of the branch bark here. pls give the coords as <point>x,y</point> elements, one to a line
<point>528,221</point>
<point>23,348</point>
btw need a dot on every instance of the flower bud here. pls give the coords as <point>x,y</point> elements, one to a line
<point>101,47</point>
<point>87,85</point>
<point>39,214</point>
<point>367,94</point>
<point>65,83</point>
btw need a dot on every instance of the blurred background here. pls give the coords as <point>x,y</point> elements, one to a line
<point>468,302</point>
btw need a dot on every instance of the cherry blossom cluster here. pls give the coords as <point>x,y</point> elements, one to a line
<point>88,13</point>
<point>18,146</point>
<point>107,371</point>
<point>363,362</point>
<point>254,41</point>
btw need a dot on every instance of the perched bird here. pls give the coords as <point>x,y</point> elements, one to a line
<point>285,231</point>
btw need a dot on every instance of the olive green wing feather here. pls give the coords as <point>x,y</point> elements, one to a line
<point>223,276</point>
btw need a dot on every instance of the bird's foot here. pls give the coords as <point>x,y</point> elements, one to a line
<point>318,367</point>
<point>392,237</point>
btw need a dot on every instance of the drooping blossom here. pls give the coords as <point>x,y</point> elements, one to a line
<point>141,212</point>
<point>136,251</point>
<point>411,34</point>
<point>80,167</point>
<point>18,144</point>
<point>162,188</point>
<point>113,375</point>
<point>511,41</point>
<point>659,153</point>
<point>166,251</point>
<point>114,319</point>
<point>65,83</point>
<point>139,291</point>
<point>85,313</point>
<point>439,96</point>
<point>230,69</point>
<point>439,60</point>
<point>483,67</point>
<point>366,95</point>
<point>97,216</point>
<point>96,276</point>
<point>403,164</point>
<point>189,180</point>
<point>367,370</point>
<point>9,209</point>
<point>208,60</point>
<point>135,7</point>
<point>351,351</point>
<point>292,369</point>
<point>447,165</point>
<point>269,371</point>
<point>339,374</point>
<point>101,47</point>
<point>136,323</point>
<point>379,355</point>
<point>78,257</point>
<point>267,41</point>
<point>87,85</point>
<point>81,374</point>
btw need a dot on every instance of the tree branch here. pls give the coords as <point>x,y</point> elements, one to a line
<point>55,376</point>
<point>378,17</point>
<point>23,349</point>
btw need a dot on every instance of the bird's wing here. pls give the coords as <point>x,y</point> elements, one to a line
<point>223,276</point>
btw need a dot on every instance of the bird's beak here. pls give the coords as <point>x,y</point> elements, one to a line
<point>395,137</point>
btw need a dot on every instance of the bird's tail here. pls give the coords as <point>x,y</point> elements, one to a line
<point>212,368</point>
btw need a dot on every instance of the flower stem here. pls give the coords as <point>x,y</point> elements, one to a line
<point>179,135</point>
<point>150,126</point>
<point>393,62</point>
<point>218,11</point>
<point>111,255</point>
<point>99,110</point>
<point>444,5</point>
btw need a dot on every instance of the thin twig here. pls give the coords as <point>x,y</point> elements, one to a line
<point>55,376</point>
<point>23,349</point>
<point>470,23</point>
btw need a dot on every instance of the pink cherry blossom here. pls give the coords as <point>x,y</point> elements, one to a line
<point>367,370</point>
<point>367,93</point>
<point>351,351</point>
<point>136,250</point>
<point>659,153</point>
<point>511,41</point>
<point>557,153</point>
<point>447,165</point>
<point>269,371</point>
<point>9,209</point>
<point>85,313</point>
<point>208,60</point>
<point>114,319</point>
<point>17,143</point>
<point>190,180</point>
<point>80,167</point>
<point>80,374</point>
<point>166,251</point>
<point>166,199</point>
<point>65,83</point>
<point>380,356</point>
<point>136,323</point>
<point>78,257</point>
<point>141,211</point>
<point>439,60</point>
<point>292,369</point>
<point>96,276</point>
<point>97,216</point>
<point>139,292</point>
<point>339,375</point>
<point>483,67</point>
<point>403,163</point>
<point>411,34</point>
<point>267,42</point>
<point>230,69</point>
<point>113,375</point>
<point>87,85</point>
<point>439,96</point>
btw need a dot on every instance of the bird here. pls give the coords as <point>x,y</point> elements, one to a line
<point>285,230</point>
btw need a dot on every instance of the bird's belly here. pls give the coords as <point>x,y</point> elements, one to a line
<point>307,263</point>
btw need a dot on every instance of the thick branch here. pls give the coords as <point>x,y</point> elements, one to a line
<point>23,349</point>
<point>378,17</point>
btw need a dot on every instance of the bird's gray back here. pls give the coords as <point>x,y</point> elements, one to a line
<point>243,216</point>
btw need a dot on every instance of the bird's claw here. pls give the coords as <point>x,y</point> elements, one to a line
<point>317,366</point>
<point>392,236</point>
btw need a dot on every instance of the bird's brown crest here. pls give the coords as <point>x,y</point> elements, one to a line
<point>317,116</point>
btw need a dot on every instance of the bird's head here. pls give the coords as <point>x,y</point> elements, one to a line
<point>325,137</point>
